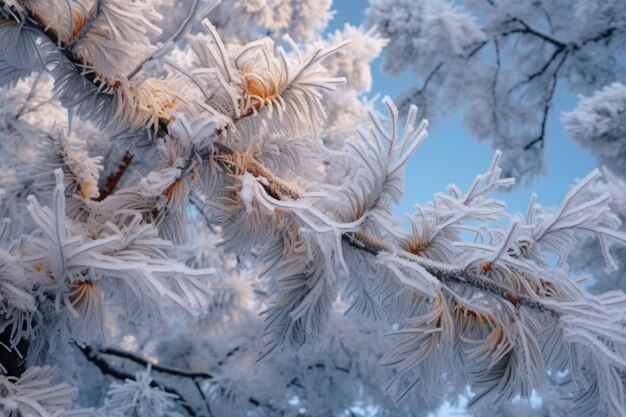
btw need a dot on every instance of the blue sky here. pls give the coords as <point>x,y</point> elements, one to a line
<point>462,156</point>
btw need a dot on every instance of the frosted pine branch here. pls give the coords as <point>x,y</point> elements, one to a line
<point>299,231</point>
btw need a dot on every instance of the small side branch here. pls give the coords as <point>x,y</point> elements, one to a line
<point>546,109</point>
<point>541,71</point>
<point>115,178</point>
<point>604,35</point>
<point>159,368</point>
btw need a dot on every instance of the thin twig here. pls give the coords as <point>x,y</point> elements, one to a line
<point>494,87</point>
<point>196,202</point>
<point>31,93</point>
<point>228,355</point>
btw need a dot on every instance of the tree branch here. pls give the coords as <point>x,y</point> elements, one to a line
<point>177,372</point>
<point>107,369</point>
<point>527,29</point>
<point>279,189</point>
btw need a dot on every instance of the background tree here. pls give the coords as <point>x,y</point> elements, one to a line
<point>204,233</point>
<point>501,62</point>
<point>598,123</point>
